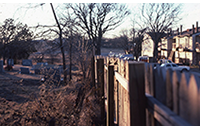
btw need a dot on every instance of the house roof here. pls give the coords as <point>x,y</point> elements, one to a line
<point>189,32</point>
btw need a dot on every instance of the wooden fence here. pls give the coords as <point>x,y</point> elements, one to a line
<point>134,93</point>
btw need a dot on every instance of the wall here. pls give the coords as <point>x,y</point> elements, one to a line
<point>147,46</point>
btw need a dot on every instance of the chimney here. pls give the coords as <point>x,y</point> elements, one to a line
<point>177,31</point>
<point>192,28</point>
<point>197,27</point>
<point>181,29</point>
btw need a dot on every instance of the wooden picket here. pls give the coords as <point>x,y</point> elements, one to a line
<point>138,94</point>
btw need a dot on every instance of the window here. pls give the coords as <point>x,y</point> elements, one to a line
<point>174,40</point>
<point>186,42</point>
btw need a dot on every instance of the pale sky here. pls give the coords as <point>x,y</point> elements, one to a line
<point>44,15</point>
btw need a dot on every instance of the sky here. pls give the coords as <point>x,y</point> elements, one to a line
<point>22,12</point>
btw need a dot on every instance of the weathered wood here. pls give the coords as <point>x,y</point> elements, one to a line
<point>184,108</point>
<point>169,92</point>
<point>192,102</point>
<point>93,71</point>
<point>176,76</point>
<point>120,95</point>
<point>137,94</point>
<point>147,86</point>
<point>124,82</point>
<point>100,82</point>
<point>110,96</point>
<point>127,94</point>
<point>116,93</point>
<point>163,114</point>
<point>160,88</point>
<point>151,79</point>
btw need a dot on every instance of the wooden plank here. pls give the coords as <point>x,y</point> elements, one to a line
<point>137,94</point>
<point>193,100</point>
<point>150,118</point>
<point>116,93</point>
<point>163,114</point>
<point>161,85</point>
<point>110,96</point>
<point>151,81</point>
<point>120,95</point>
<point>122,81</point>
<point>100,82</point>
<point>127,94</point>
<point>147,88</point>
<point>184,102</point>
<point>176,76</point>
<point>169,92</point>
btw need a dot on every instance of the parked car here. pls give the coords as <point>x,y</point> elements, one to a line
<point>111,54</point>
<point>161,61</point>
<point>129,58</point>
<point>143,58</point>
<point>174,66</point>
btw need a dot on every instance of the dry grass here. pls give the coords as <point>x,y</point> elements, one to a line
<point>28,102</point>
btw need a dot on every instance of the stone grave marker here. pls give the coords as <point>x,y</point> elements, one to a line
<point>24,70</point>
<point>27,62</point>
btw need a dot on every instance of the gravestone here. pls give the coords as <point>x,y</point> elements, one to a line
<point>24,70</point>
<point>10,62</point>
<point>1,66</point>
<point>27,62</point>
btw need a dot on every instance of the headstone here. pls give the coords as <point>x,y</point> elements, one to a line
<point>27,62</point>
<point>1,66</point>
<point>24,70</point>
<point>10,62</point>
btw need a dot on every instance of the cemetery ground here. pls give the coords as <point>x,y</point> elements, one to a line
<point>26,101</point>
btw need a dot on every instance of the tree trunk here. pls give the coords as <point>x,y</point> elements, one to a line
<point>155,52</point>
<point>61,44</point>
<point>98,47</point>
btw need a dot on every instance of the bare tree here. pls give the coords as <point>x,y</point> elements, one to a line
<point>131,41</point>
<point>159,17</point>
<point>61,44</point>
<point>15,40</point>
<point>97,18</point>
<point>124,40</point>
<point>137,39</point>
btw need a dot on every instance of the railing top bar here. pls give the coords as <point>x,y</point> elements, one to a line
<point>168,116</point>
<point>124,82</point>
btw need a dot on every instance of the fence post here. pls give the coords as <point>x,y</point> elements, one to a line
<point>176,76</point>
<point>116,95</point>
<point>100,83</point>
<point>169,92</point>
<point>137,94</point>
<point>110,96</point>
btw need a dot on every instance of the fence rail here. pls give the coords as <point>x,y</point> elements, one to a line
<point>137,94</point>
